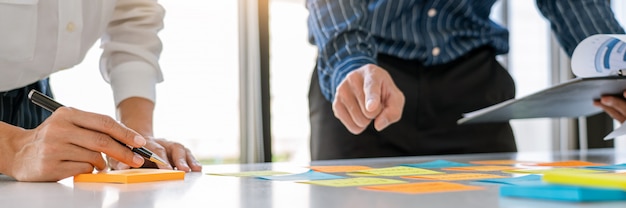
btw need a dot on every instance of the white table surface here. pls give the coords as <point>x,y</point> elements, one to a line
<point>202,190</point>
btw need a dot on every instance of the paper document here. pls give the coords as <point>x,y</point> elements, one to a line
<point>601,55</point>
<point>599,63</point>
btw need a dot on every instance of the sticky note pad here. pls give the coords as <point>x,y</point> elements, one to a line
<point>481,168</point>
<point>552,170</point>
<point>455,176</point>
<point>609,167</point>
<point>395,171</point>
<point>563,193</point>
<point>131,176</point>
<point>569,163</point>
<point>437,164</point>
<point>339,168</point>
<point>616,181</point>
<point>309,175</point>
<point>347,182</point>
<point>497,162</point>
<point>423,188</point>
<point>521,180</point>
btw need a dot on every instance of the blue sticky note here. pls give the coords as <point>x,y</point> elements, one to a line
<point>438,164</point>
<point>562,193</point>
<point>609,167</point>
<point>522,180</point>
<point>309,176</point>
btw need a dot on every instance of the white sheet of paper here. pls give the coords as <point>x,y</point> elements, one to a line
<point>617,132</point>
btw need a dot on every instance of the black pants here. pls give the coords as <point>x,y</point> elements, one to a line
<point>436,97</point>
<point>16,109</point>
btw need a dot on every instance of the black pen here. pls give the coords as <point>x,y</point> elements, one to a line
<point>49,104</point>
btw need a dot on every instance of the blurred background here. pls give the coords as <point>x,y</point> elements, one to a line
<point>215,101</point>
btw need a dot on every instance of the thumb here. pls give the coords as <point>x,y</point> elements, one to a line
<point>372,89</point>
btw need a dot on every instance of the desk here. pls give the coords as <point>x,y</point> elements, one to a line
<point>201,190</point>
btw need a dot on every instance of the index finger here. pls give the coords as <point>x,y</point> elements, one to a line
<point>106,125</point>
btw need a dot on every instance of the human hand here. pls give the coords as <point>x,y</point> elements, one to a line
<point>68,143</point>
<point>615,106</point>
<point>368,93</point>
<point>175,153</point>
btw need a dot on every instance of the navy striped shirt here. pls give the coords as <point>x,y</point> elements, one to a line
<point>350,33</point>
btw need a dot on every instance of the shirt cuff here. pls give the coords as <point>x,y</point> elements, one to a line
<point>133,79</point>
<point>342,70</point>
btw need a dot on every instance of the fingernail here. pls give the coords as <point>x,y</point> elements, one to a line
<point>606,101</point>
<point>138,160</point>
<point>140,141</point>
<point>383,123</point>
<point>121,166</point>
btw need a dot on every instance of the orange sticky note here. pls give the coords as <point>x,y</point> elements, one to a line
<point>456,176</point>
<point>339,168</point>
<point>395,171</point>
<point>496,162</point>
<point>423,188</point>
<point>481,168</point>
<point>569,163</point>
<point>131,176</point>
<point>551,170</point>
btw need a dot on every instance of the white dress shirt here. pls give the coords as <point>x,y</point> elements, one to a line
<point>40,37</point>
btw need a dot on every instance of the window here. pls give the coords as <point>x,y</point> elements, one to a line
<point>197,104</point>
<point>291,63</point>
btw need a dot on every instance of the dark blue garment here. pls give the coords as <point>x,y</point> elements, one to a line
<point>351,33</point>
<point>16,109</point>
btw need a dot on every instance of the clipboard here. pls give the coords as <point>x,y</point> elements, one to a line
<point>573,98</point>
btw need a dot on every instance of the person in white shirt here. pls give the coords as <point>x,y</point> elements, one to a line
<point>40,37</point>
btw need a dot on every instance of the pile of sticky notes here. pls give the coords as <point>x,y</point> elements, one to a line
<point>571,180</point>
<point>577,186</point>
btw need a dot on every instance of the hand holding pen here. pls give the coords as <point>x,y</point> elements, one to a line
<point>71,142</point>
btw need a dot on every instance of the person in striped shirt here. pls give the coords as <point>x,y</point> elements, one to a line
<point>394,76</point>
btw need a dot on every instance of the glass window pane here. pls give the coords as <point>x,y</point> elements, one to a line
<point>529,59</point>
<point>291,63</point>
<point>197,104</point>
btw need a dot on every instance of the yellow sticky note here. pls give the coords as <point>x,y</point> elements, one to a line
<point>481,168</point>
<point>586,179</point>
<point>131,176</point>
<point>363,181</point>
<point>396,171</point>
<point>251,173</point>
<point>569,163</point>
<point>456,176</point>
<point>551,170</point>
<point>339,168</point>
<point>423,188</point>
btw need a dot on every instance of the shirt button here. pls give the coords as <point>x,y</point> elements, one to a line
<point>70,27</point>
<point>432,12</point>
<point>436,51</point>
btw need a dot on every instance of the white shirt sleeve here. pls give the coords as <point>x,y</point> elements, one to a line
<point>131,49</point>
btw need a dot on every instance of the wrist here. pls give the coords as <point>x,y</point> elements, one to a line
<point>11,140</point>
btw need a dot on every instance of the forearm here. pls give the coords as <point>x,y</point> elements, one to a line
<point>137,113</point>
<point>339,29</point>
<point>573,21</point>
